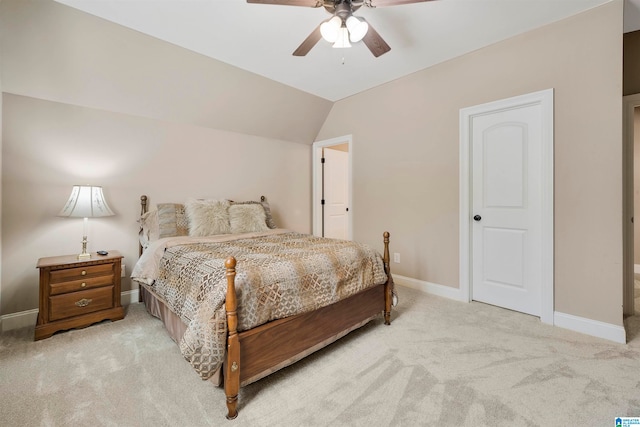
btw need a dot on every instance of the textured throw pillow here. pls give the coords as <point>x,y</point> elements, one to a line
<point>172,220</point>
<point>247,218</point>
<point>267,211</point>
<point>208,217</point>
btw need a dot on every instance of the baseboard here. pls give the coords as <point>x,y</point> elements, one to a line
<point>129,297</point>
<point>19,320</point>
<point>29,317</point>
<point>636,268</point>
<point>567,321</point>
<point>428,287</point>
<point>590,327</point>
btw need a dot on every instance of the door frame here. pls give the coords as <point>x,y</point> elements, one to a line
<point>630,102</point>
<point>316,207</point>
<point>543,98</point>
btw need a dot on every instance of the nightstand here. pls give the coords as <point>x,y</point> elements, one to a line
<point>76,293</point>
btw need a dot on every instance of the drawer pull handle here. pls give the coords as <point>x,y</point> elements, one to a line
<point>83,284</point>
<point>84,272</point>
<point>83,302</point>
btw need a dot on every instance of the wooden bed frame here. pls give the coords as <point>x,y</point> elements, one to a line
<point>279,343</point>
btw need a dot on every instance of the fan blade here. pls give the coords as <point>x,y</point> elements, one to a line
<point>375,43</point>
<point>307,3</point>
<point>308,43</point>
<point>384,3</point>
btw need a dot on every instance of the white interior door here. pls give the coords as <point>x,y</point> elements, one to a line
<point>506,205</point>
<point>336,194</point>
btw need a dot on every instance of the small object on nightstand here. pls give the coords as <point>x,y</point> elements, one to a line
<point>77,293</point>
<point>102,253</point>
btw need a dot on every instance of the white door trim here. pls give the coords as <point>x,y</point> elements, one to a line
<point>545,100</point>
<point>630,102</point>
<point>316,208</point>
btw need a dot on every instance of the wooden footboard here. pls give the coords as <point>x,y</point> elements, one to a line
<point>279,343</point>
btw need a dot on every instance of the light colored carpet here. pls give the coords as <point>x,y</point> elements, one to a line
<point>440,363</point>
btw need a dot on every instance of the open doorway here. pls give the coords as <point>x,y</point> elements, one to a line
<point>631,205</point>
<point>332,215</point>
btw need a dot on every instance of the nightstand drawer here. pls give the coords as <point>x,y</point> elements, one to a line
<point>80,285</point>
<point>77,303</point>
<point>57,276</point>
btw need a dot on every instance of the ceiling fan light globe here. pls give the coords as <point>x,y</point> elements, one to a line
<point>343,39</point>
<point>330,29</point>
<point>357,28</point>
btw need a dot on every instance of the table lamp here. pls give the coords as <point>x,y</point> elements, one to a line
<point>86,201</point>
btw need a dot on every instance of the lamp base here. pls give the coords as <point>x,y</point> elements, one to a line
<point>84,254</point>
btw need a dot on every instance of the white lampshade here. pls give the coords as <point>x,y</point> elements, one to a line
<point>357,28</point>
<point>330,28</point>
<point>86,201</point>
<point>343,38</point>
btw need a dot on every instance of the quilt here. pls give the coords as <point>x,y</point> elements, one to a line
<point>278,274</point>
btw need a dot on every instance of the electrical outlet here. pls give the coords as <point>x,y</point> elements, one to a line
<point>123,271</point>
<point>396,257</point>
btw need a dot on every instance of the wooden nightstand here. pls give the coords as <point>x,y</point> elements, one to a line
<point>76,293</point>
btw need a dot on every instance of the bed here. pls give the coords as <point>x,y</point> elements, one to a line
<point>243,298</point>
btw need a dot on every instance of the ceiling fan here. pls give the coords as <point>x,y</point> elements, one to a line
<point>343,26</point>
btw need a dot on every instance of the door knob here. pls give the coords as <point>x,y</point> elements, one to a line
<point>477,218</point>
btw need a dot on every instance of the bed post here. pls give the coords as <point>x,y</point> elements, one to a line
<point>232,362</point>
<point>143,210</point>
<point>388,287</point>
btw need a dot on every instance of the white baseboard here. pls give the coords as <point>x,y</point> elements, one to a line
<point>19,320</point>
<point>29,317</point>
<point>428,287</point>
<point>577,324</point>
<point>129,297</point>
<point>636,268</point>
<point>590,327</point>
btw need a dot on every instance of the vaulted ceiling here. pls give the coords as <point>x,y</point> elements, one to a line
<point>261,38</point>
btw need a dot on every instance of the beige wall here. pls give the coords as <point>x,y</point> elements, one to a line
<point>1,312</point>
<point>636,185</point>
<point>631,80</point>
<point>50,146</point>
<point>89,102</point>
<point>406,152</point>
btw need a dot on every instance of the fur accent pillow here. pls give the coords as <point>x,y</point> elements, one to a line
<point>247,218</point>
<point>208,217</point>
<point>267,211</point>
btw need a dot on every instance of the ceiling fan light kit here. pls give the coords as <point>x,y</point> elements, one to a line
<point>343,26</point>
<point>343,38</point>
<point>357,28</point>
<point>330,29</point>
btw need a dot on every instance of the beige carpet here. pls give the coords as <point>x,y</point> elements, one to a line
<point>440,363</point>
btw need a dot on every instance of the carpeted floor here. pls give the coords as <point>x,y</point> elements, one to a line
<point>440,363</point>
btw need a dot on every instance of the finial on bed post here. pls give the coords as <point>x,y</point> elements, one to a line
<point>232,363</point>
<point>388,287</point>
<point>143,205</point>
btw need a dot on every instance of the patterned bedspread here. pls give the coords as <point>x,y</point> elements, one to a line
<point>277,276</point>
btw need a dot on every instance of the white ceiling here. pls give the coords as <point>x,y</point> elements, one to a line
<point>260,38</point>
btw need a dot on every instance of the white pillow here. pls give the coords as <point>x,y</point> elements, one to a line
<point>247,218</point>
<point>208,217</point>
